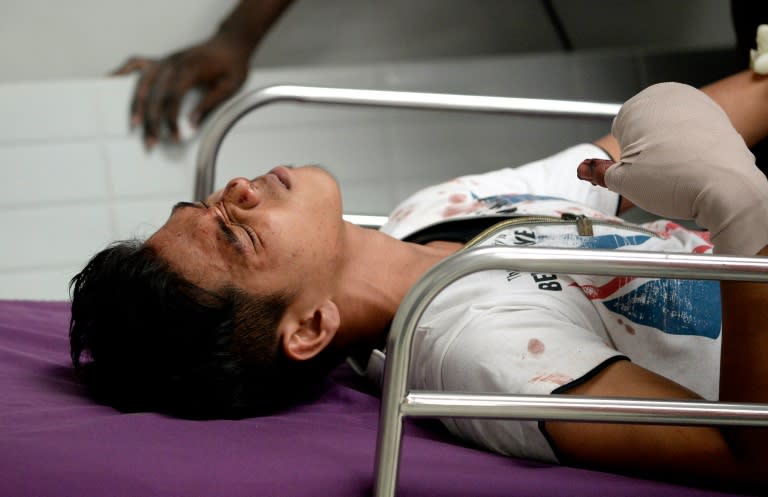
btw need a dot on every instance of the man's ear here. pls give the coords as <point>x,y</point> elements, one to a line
<point>305,337</point>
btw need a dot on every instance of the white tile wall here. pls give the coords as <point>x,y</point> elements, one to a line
<point>135,173</point>
<point>73,177</point>
<point>59,200</point>
<point>65,110</point>
<point>38,283</point>
<point>44,170</point>
<point>52,235</point>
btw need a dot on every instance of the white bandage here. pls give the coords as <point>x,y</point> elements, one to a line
<point>682,158</point>
<point>758,58</point>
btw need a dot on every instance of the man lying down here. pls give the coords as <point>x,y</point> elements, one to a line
<point>239,305</point>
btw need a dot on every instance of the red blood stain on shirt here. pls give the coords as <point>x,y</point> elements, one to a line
<point>536,346</point>
<point>456,210</point>
<point>556,378</point>
<point>401,213</point>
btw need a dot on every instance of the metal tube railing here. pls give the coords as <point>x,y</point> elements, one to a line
<point>583,409</point>
<point>226,118</point>
<point>397,402</point>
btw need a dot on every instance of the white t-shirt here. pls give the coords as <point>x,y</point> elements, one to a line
<point>533,333</point>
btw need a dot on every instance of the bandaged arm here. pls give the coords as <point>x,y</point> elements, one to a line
<point>682,158</point>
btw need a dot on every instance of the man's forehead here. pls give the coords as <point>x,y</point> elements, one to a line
<point>177,223</point>
<point>187,243</point>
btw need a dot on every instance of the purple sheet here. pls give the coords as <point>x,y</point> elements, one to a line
<point>56,442</point>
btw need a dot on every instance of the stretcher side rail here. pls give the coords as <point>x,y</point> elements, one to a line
<point>225,119</point>
<point>398,402</point>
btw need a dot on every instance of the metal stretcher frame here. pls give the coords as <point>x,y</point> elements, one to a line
<point>397,401</point>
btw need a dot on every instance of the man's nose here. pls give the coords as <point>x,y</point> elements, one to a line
<point>241,192</point>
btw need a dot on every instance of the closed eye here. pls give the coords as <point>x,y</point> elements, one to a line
<point>224,220</point>
<point>230,235</point>
<point>255,240</point>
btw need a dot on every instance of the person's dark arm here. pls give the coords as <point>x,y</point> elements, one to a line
<point>218,66</point>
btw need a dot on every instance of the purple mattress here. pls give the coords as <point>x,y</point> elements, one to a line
<point>54,441</point>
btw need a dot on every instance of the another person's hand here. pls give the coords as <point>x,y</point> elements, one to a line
<point>682,158</point>
<point>218,67</point>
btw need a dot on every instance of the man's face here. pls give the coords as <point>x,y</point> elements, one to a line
<point>278,233</point>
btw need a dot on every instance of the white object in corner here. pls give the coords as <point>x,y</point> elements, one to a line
<point>759,56</point>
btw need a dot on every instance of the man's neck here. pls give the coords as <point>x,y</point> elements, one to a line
<point>378,271</point>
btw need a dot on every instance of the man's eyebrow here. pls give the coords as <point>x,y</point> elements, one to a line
<point>182,205</point>
<point>229,235</point>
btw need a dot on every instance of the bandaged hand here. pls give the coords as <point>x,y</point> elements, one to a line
<point>682,158</point>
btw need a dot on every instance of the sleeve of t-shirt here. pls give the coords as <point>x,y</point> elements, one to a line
<point>556,176</point>
<point>551,178</point>
<point>517,351</point>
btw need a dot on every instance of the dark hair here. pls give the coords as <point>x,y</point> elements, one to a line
<point>144,338</point>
